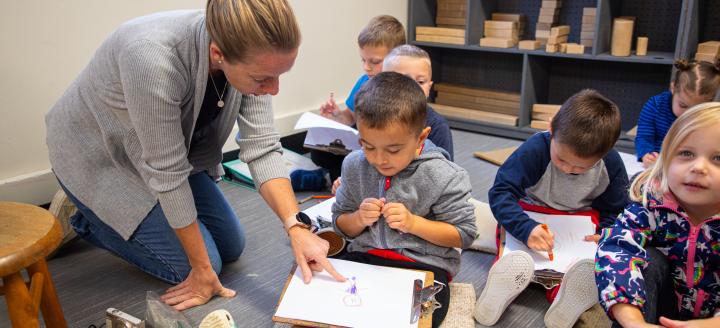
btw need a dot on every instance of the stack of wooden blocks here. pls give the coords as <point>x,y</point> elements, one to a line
<point>708,51</point>
<point>451,14</point>
<point>503,31</point>
<point>558,38</point>
<point>477,104</point>
<point>548,16</point>
<point>542,115</point>
<point>451,20</point>
<point>587,34</point>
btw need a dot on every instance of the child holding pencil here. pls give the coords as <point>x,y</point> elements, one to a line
<point>571,168</point>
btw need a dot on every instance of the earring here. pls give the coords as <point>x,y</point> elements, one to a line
<point>219,61</point>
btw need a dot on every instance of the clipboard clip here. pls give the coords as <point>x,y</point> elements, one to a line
<point>424,302</point>
<point>334,147</point>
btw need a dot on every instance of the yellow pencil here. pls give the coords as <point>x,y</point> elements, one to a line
<point>550,252</point>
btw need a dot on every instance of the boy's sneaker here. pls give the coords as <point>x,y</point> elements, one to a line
<point>508,277</point>
<point>218,319</point>
<point>337,242</point>
<point>63,209</point>
<point>308,180</point>
<point>578,292</point>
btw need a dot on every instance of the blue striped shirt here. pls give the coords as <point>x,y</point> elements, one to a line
<point>654,122</point>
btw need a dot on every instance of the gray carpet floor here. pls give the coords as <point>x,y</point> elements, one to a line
<point>90,280</point>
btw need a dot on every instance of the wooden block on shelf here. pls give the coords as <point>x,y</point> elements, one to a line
<point>588,19</point>
<point>543,26</point>
<point>587,35</point>
<point>706,57</point>
<point>560,30</point>
<point>462,27</point>
<point>497,42</point>
<point>709,47</point>
<point>543,41</point>
<point>476,106</point>
<point>574,48</point>
<point>587,42</point>
<point>440,39</point>
<point>562,48</point>
<point>547,18</point>
<point>551,47</point>
<point>546,108</point>
<point>452,6</point>
<point>540,125</point>
<point>641,46</point>
<point>450,21</point>
<point>558,39</point>
<point>478,92</point>
<point>588,27</point>
<point>440,31</point>
<point>500,25</point>
<point>530,44</point>
<point>632,132</point>
<point>502,33</point>
<point>508,17</point>
<point>589,11</point>
<point>551,4</point>
<point>542,116</point>
<point>542,34</point>
<point>549,11</point>
<point>476,115</point>
<point>451,13</point>
<point>504,106</point>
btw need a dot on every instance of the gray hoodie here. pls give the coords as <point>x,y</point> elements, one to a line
<point>430,186</point>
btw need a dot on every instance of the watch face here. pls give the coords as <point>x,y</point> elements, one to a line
<point>304,218</point>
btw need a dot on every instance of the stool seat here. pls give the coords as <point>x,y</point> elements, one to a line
<point>27,234</point>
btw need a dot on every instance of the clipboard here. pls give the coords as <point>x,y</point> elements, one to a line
<point>425,321</point>
<point>335,147</point>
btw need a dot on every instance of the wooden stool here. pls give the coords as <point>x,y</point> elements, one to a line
<point>27,235</point>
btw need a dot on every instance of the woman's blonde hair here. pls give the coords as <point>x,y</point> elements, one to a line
<point>654,181</point>
<point>239,26</point>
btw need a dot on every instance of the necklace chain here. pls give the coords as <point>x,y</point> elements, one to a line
<point>220,102</point>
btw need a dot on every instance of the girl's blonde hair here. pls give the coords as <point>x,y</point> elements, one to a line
<point>239,26</point>
<point>654,181</point>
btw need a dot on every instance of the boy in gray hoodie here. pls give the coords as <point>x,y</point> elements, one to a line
<point>402,201</point>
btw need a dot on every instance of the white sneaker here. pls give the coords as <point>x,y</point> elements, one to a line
<point>62,208</point>
<point>578,292</point>
<point>218,319</point>
<point>507,278</point>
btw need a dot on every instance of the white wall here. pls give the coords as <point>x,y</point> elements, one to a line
<point>46,44</point>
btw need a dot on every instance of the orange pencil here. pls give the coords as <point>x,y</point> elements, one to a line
<point>550,252</point>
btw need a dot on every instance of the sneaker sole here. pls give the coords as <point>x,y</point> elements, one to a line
<point>337,242</point>
<point>507,278</point>
<point>578,292</point>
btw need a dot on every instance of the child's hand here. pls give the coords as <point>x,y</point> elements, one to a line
<point>330,109</point>
<point>698,323</point>
<point>649,159</point>
<point>336,185</point>
<point>398,217</point>
<point>593,238</point>
<point>541,240</point>
<point>370,210</point>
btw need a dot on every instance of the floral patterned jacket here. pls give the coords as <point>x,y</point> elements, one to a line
<point>693,253</point>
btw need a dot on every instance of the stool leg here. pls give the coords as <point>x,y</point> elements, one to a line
<point>19,302</point>
<point>49,304</point>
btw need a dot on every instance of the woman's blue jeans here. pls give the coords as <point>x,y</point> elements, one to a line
<point>154,247</point>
